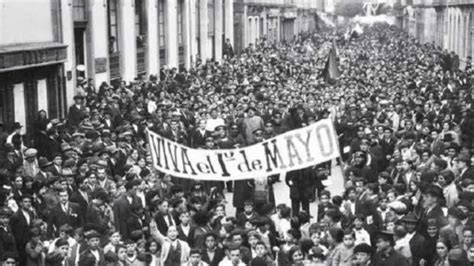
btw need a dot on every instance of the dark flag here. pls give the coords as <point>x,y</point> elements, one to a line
<point>331,70</point>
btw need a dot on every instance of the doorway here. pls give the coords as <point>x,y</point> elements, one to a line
<point>80,51</point>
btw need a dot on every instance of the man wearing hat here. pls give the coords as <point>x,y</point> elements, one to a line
<point>43,174</point>
<point>388,141</point>
<point>77,112</point>
<point>7,239</point>
<point>363,254</point>
<point>357,140</point>
<point>386,255</point>
<point>416,240</point>
<point>236,136</point>
<point>93,254</point>
<point>431,207</point>
<point>30,164</point>
<point>250,124</point>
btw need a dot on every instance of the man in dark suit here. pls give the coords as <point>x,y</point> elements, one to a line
<point>432,196</point>
<point>81,196</point>
<point>65,212</point>
<point>301,183</point>
<point>185,229</point>
<point>386,254</point>
<point>77,112</point>
<point>137,224</point>
<point>20,224</point>
<point>92,249</point>
<point>466,171</point>
<point>163,218</point>
<point>122,207</point>
<point>7,239</point>
<point>417,241</point>
<point>211,253</point>
<point>199,135</point>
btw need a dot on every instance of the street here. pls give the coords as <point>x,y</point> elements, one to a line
<point>335,185</point>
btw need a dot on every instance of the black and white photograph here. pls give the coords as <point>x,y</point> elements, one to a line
<point>236,133</point>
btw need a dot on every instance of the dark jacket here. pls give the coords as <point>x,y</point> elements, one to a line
<point>58,217</point>
<point>183,236</point>
<point>393,258</point>
<point>75,115</point>
<point>122,210</point>
<point>302,182</point>
<point>77,197</point>
<point>161,222</point>
<point>218,257</point>
<point>418,249</point>
<point>7,241</point>
<point>21,229</point>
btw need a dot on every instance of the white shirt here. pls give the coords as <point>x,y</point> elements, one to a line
<point>211,253</point>
<point>130,199</point>
<point>185,229</point>
<point>409,236</point>
<point>84,195</point>
<point>27,216</point>
<point>96,254</point>
<point>169,220</point>
<point>141,195</point>
<point>64,207</point>
<point>227,262</point>
<point>362,236</point>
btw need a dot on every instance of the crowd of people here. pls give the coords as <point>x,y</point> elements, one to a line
<point>83,190</point>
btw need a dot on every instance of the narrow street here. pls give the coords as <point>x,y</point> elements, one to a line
<point>282,193</point>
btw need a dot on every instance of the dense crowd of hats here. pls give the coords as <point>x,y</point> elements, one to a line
<point>82,191</point>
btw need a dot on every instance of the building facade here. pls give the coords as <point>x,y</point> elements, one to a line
<point>112,40</point>
<point>274,20</point>
<point>446,23</point>
<point>101,40</point>
<point>33,61</point>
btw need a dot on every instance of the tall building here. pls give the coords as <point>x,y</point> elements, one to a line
<point>34,67</point>
<point>47,45</point>
<point>447,23</point>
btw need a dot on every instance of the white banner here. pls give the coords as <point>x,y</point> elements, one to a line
<point>292,150</point>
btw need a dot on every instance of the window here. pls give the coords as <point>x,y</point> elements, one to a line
<point>180,22</point>
<point>198,18</point>
<point>112,13</point>
<point>161,21</point>
<point>198,27</point>
<point>79,10</point>
<point>162,32</point>
<point>223,18</point>
<point>140,23</point>
<point>210,15</point>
